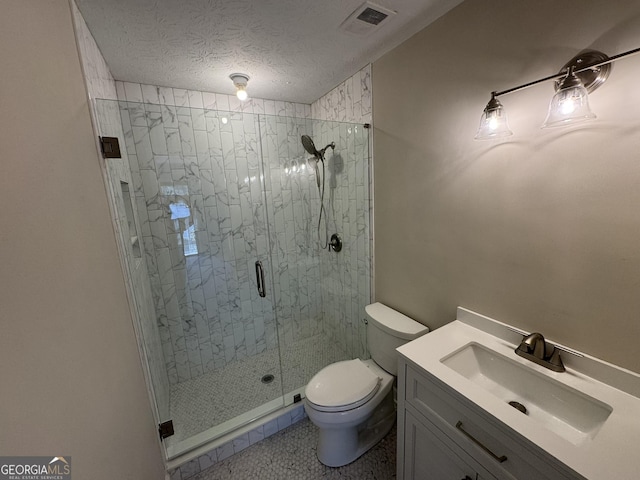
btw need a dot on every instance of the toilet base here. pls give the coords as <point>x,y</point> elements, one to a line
<point>340,446</point>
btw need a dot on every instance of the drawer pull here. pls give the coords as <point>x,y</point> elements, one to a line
<point>500,459</point>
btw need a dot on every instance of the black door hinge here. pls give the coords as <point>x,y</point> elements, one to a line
<point>165,429</point>
<point>110,147</point>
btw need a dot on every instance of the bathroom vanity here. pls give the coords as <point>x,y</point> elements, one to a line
<point>469,408</point>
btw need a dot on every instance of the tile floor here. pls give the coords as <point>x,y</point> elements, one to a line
<point>291,454</point>
<point>218,396</point>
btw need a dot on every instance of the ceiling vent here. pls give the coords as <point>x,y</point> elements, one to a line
<point>366,18</point>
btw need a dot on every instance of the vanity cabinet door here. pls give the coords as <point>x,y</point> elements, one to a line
<point>427,456</point>
<point>473,434</point>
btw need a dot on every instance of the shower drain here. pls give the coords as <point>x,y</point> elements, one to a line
<point>268,378</point>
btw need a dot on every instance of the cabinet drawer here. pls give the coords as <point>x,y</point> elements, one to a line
<point>507,454</point>
<point>430,455</point>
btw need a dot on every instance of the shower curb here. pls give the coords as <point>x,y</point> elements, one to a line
<point>260,429</point>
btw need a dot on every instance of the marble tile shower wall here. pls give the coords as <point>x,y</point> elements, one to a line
<point>350,101</point>
<point>158,95</point>
<point>197,173</point>
<point>292,205</point>
<point>346,276</point>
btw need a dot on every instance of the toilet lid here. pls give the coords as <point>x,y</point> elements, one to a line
<point>341,384</point>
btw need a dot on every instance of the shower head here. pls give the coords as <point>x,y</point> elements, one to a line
<point>310,147</point>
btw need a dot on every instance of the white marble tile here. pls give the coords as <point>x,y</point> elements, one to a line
<point>133,92</point>
<point>98,78</point>
<point>182,365</point>
<point>195,99</point>
<point>225,451</point>
<point>270,107</point>
<point>241,442</point>
<point>297,414</point>
<point>284,421</point>
<point>258,106</point>
<point>280,108</point>
<point>256,435</point>
<point>189,469</point>
<point>235,105</point>
<point>270,428</point>
<point>208,459</point>
<point>165,96</point>
<point>222,102</point>
<point>150,94</point>
<point>181,97</point>
<point>209,100</point>
<point>122,95</point>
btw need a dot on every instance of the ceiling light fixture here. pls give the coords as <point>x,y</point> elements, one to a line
<point>580,76</point>
<point>240,81</point>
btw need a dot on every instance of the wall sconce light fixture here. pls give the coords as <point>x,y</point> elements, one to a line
<point>580,76</point>
<point>493,123</point>
<point>240,81</point>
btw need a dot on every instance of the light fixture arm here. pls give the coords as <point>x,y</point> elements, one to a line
<point>563,73</point>
<point>527,85</point>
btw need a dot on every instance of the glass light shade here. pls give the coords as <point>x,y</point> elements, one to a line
<point>570,104</point>
<point>493,122</point>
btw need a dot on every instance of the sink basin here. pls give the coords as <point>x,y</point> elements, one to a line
<point>565,411</point>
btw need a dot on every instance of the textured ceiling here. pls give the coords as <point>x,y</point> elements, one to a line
<point>293,50</point>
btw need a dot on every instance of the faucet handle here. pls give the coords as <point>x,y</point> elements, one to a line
<point>556,361</point>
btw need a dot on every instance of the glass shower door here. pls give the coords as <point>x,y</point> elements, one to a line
<point>320,294</point>
<point>199,195</point>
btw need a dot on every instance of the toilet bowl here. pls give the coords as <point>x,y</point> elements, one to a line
<point>341,409</point>
<point>352,402</point>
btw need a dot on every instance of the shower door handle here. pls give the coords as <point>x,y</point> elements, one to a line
<point>260,278</point>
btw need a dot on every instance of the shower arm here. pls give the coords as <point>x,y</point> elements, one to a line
<point>333,147</point>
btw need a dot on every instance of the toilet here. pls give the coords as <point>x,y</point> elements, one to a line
<point>352,402</point>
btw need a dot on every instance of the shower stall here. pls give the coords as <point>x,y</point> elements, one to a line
<point>238,303</point>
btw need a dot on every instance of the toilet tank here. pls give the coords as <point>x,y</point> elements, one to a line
<point>387,330</point>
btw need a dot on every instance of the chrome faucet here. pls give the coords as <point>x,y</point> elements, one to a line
<point>534,347</point>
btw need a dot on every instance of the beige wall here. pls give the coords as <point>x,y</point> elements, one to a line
<point>70,377</point>
<point>541,230</point>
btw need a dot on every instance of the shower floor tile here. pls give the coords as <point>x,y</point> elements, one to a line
<point>221,395</point>
<point>291,454</point>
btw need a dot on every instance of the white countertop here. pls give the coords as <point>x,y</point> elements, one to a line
<point>612,453</point>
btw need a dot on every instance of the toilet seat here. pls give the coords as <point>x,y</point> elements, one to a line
<point>342,386</point>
